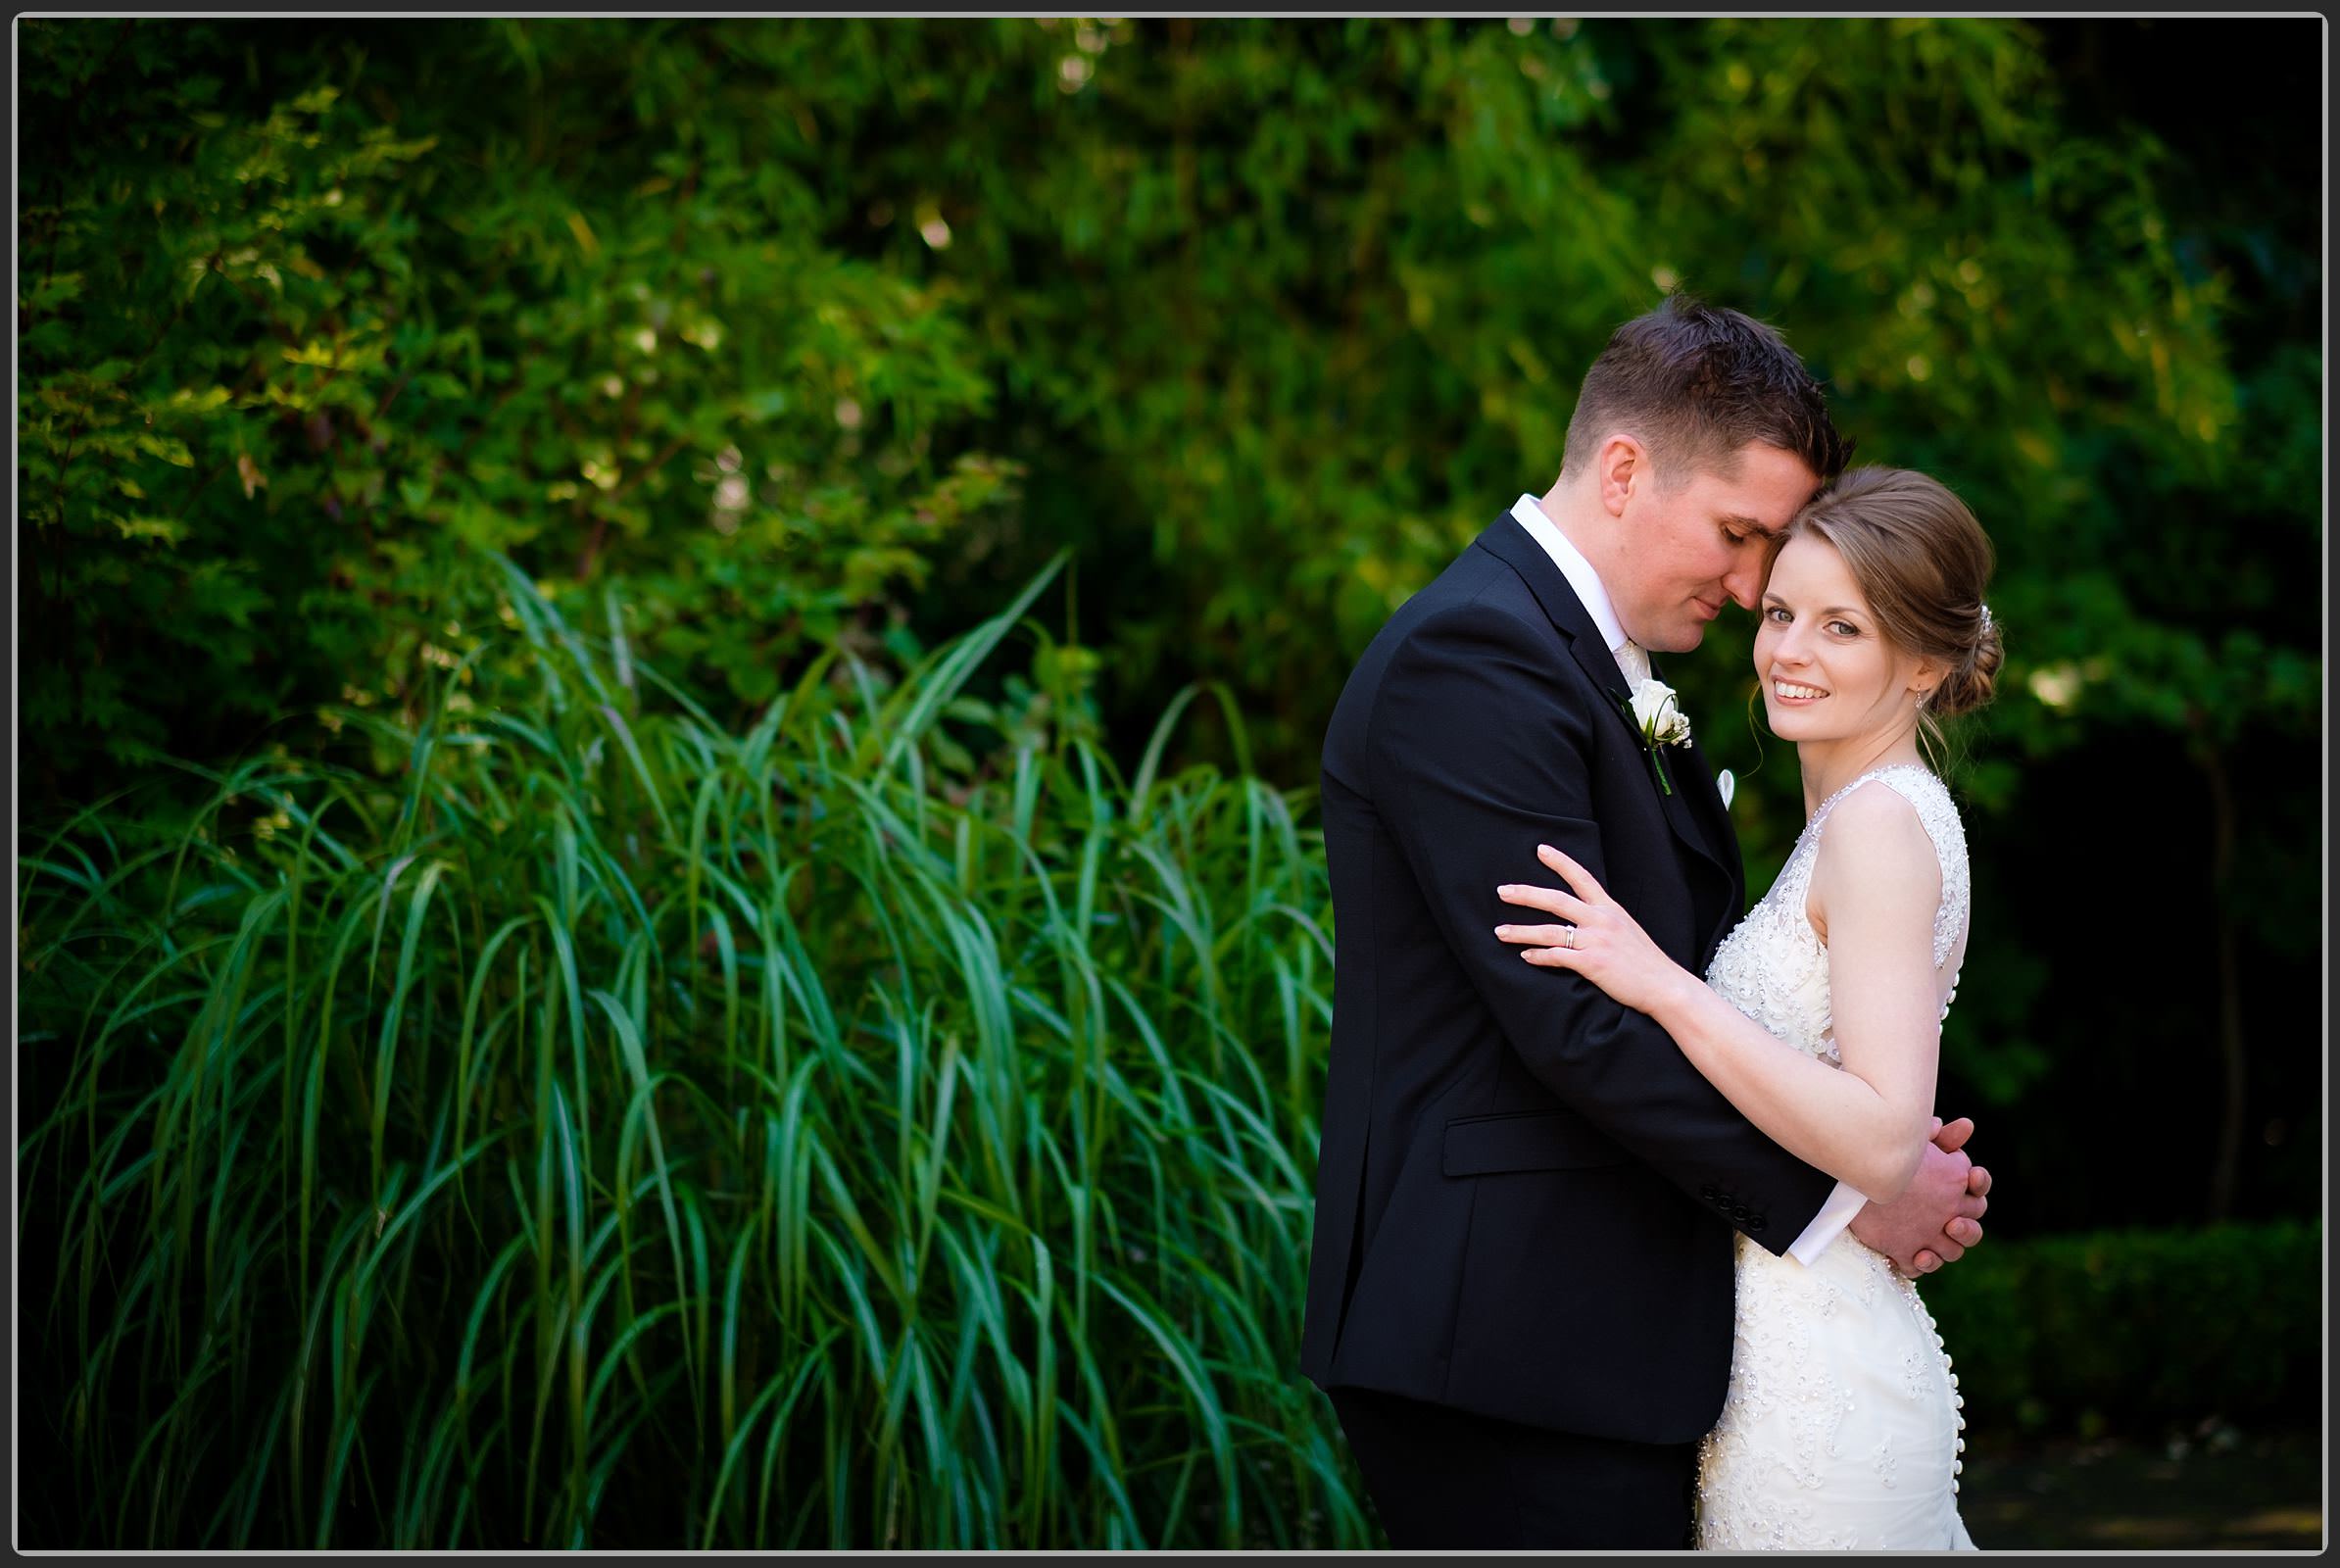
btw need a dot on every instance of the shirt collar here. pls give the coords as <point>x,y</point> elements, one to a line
<point>1574,566</point>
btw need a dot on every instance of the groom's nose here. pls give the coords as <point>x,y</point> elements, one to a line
<point>1744,586</point>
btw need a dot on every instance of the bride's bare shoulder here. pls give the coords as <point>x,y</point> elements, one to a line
<point>1874,860</point>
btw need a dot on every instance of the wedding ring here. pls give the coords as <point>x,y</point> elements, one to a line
<point>1568,936</point>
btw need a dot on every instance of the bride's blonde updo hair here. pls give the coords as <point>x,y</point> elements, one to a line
<point>1922,563</point>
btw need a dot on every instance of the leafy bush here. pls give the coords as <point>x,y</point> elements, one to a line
<point>292,351</point>
<point>2136,1328</point>
<point>1275,314</point>
<point>618,1131</point>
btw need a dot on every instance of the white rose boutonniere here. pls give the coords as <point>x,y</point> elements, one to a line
<point>1657,714</point>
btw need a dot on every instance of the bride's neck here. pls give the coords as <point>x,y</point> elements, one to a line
<point>1829,766</point>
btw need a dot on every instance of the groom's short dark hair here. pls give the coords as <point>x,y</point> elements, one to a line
<point>1695,382</point>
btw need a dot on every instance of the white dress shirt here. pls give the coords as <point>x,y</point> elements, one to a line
<point>1846,1201</point>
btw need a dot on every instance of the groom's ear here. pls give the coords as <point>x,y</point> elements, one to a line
<point>1622,465</point>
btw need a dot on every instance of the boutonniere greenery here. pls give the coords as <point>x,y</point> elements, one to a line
<point>1657,714</point>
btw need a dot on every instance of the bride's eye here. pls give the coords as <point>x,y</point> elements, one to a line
<point>1777,615</point>
<point>1844,628</point>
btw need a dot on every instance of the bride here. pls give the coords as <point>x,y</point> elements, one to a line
<point>1819,1016</point>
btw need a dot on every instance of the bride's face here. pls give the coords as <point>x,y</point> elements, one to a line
<point>1828,671</point>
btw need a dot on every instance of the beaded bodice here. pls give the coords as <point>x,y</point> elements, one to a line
<point>1774,966</point>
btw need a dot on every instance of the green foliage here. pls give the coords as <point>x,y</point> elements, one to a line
<point>616,1130</point>
<point>759,319</point>
<point>286,362</point>
<point>765,315</point>
<point>2143,1329</point>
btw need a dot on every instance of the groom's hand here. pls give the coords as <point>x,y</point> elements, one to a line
<point>1938,1217</point>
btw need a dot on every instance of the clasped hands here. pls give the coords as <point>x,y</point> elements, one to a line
<point>1910,1228</point>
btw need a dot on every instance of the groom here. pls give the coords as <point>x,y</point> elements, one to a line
<point>1520,1291</point>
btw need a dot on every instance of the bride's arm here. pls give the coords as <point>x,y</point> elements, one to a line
<point>1875,885</point>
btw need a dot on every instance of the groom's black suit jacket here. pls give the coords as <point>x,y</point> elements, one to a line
<point>1525,1193</point>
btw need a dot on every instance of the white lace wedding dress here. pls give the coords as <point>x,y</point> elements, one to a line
<point>1841,1426</point>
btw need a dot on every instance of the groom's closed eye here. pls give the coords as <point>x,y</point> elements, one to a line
<point>1740,529</point>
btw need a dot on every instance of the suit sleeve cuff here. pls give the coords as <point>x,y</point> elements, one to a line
<point>1835,1215</point>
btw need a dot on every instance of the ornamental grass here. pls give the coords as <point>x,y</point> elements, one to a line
<point>892,1126</point>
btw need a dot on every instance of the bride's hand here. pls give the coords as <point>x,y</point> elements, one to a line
<point>1600,941</point>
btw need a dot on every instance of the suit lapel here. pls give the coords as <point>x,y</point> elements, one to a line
<point>1511,543</point>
